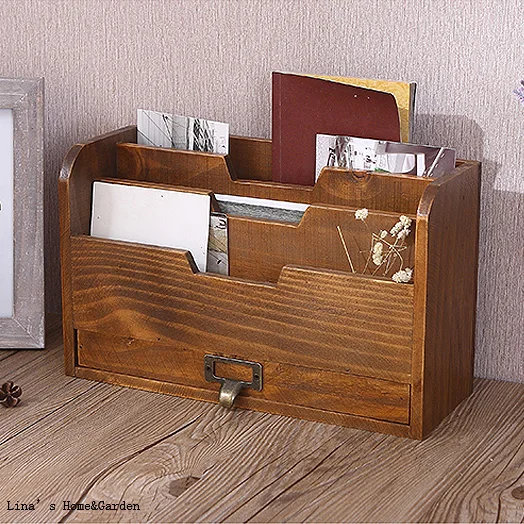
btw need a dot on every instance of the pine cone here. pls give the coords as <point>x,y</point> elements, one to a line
<point>10,394</point>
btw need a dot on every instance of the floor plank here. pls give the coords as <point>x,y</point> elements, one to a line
<point>185,461</point>
<point>62,455</point>
<point>5,353</point>
<point>45,387</point>
<point>230,456</point>
<point>417,481</point>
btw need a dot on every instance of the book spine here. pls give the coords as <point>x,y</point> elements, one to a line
<point>276,128</point>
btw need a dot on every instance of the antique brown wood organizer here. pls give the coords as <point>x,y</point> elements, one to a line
<point>325,344</point>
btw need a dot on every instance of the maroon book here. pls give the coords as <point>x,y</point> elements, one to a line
<point>304,106</point>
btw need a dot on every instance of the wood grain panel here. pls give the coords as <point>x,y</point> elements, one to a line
<point>258,249</point>
<point>395,193</point>
<point>445,295</point>
<point>247,402</point>
<point>89,160</point>
<point>250,158</point>
<point>283,383</point>
<point>321,319</point>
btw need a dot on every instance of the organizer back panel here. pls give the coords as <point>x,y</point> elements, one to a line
<point>250,158</point>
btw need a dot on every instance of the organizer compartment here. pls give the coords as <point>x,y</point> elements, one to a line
<point>259,249</point>
<point>338,187</point>
<point>335,346</point>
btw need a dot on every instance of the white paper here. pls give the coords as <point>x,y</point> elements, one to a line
<point>6,214</point>
<point>152,216</point>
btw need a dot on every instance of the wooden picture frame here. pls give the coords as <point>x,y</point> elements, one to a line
<point>22,105</point>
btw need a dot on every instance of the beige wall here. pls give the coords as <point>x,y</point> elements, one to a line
<point>102,59</point>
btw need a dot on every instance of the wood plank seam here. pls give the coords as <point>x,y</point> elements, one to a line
<point>276,459</point>
<point>4,356</point>
<point>34,423</point>
<point>378,443</point>
<point>519,480</point>
<point>292,485</point>
<point>334,481</point>
<point>26,364</point>
<point>122,461</point>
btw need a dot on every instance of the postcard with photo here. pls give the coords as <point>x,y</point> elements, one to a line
<point>182,132</point>
<point>363,154</point>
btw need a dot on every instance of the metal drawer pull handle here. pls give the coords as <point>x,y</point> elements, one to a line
<point>228,392</point>
<point>230,388</point>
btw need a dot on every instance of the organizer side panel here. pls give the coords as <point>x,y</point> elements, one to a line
<point>94,160</point>
<point>283,383</point>
<point>445,301</point>
<point>325,320</point>
<point>82,163</point>
<point>66,275</point>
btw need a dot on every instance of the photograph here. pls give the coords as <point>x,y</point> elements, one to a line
<point>364,154</point>
<point>22,310</point>
<point>181,132</point>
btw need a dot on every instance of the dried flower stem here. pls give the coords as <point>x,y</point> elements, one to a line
<point>370,254</point>
<point>345,249</point>
<point>389,257</point>
<point>385,255</point>
<point>394,249</point>
<point>358,246</point>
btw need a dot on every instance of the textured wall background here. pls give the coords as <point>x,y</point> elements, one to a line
<point>102,59</point>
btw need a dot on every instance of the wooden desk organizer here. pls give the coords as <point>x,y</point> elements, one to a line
<point>334,346</point>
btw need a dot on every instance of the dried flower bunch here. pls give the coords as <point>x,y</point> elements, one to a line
<point>386,249</point>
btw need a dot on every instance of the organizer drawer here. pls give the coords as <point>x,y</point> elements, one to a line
<point>282,383</point>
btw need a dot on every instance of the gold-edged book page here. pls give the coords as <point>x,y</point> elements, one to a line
<point>404,93</point>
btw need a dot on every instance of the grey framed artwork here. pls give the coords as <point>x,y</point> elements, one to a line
<point>22,311</point>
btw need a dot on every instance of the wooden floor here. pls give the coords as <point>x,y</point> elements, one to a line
<point>73,441</point>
